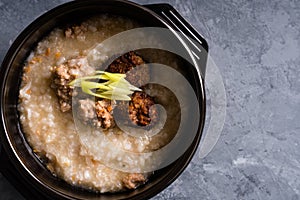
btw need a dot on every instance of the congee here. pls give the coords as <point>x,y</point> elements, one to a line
<point>56,72</point>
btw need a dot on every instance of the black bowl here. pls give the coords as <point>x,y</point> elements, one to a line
<point>17,157</point>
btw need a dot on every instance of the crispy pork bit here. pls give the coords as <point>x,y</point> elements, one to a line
<point>62,77</point>
<point>76,31</point>
<point>97,113</point>
<point>127,64</point>
<point>63,74</point>
<point>139,109</point>
<point>104,114</point>
<point>133,180</point>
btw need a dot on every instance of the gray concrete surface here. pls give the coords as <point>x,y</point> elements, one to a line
<point>256,45</point>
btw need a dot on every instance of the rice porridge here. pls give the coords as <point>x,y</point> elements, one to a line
<point>46,116</point>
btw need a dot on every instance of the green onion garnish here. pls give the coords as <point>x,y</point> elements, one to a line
<point>116,87</point>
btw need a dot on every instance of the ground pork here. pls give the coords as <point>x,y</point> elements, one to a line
<point>133,180</point>
<point>76,31</point>
<point>63,74</point>
<point>98,113</point>
<point>127,64</point>
<point>61,78</point>
<point>138,111</point>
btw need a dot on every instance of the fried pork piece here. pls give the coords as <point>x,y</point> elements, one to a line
<point>104,114</point>
<point>98,113</point>
<point>76,31</point>
<point>127,64</point>
<point>63,74</point>
<point>62,77</point>
<point>138,110</point>
<point>133,180</point>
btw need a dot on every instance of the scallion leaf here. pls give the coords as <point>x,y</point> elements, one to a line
<point>116,87</point>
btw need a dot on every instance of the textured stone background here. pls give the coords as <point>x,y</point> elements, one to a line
<point>256,45</point>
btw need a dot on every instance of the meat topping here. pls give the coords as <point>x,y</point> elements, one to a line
<point>63,74</point>
<point>139,109</point>
<point>127,64</point>
<point>97,113</point>
<point>104,114</point>
<point>61,79</point>
<point>76,31</point>
<point>133,180</point>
